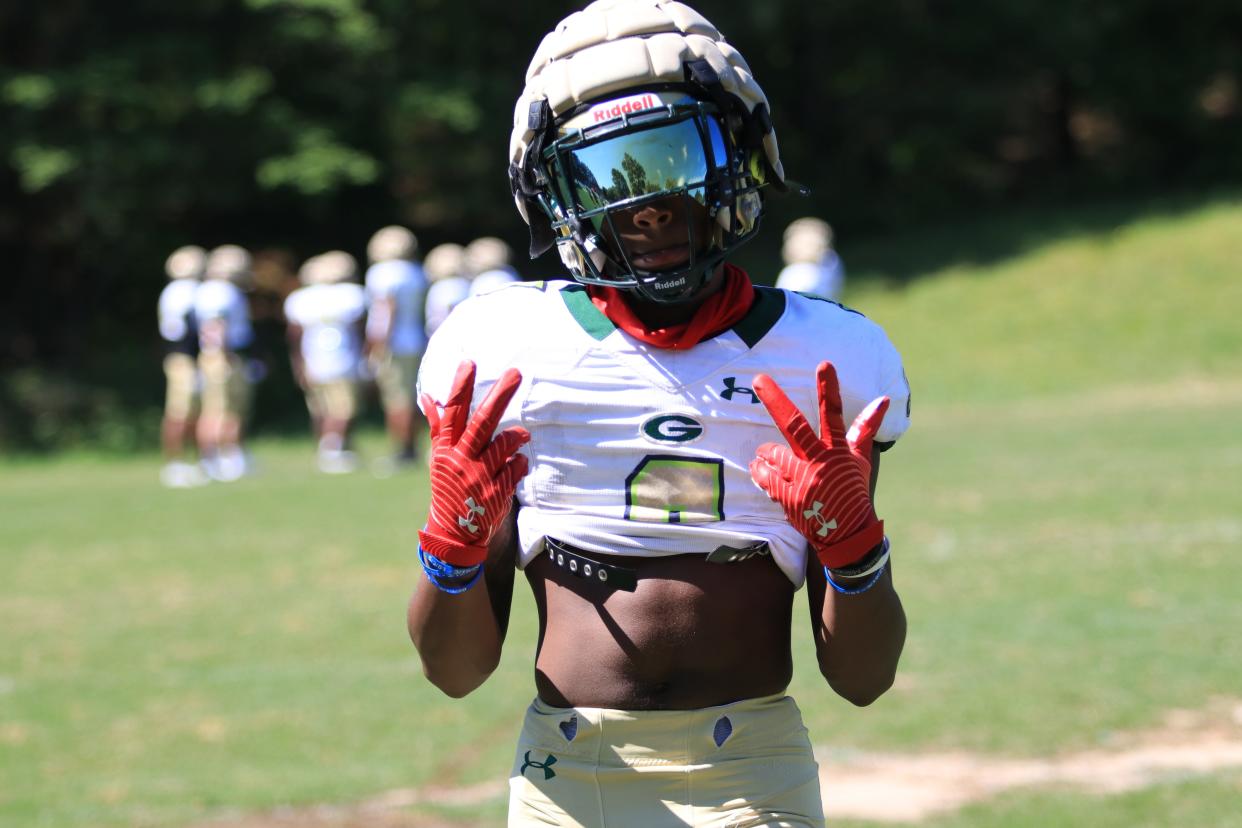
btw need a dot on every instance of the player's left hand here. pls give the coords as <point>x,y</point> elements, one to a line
<point>823,483</point>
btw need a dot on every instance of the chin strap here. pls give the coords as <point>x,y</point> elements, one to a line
<point>721,310</point>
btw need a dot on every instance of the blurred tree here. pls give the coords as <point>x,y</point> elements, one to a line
<point>129,129</point>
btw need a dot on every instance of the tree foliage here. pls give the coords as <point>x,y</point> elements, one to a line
<point>300,124</point>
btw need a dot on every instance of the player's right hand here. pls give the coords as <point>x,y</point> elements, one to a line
<point>473,477</point>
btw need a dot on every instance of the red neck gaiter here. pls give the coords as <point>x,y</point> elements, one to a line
<point>721,310</point>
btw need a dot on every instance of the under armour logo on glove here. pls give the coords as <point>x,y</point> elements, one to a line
<point>470,469</point>
<point>825,525</point>
<point>823,483</point>
<point>471,511</point>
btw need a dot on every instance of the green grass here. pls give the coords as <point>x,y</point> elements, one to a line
<point>1064,512</point>
<point>1113,299</point>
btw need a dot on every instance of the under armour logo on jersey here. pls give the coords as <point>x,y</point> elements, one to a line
<point>545,766</point>
<point>731,388</point>
<point>825,525</point>
<point>472,510</point>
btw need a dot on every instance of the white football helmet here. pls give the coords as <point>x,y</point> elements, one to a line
<point>392,242</point>
<point>444,261</point>
<point>806,241</point>
<point>229,262</point>
<point>632,102</point>
<point>188,262</point>
<point>487,253</point>
<point>328,268</point>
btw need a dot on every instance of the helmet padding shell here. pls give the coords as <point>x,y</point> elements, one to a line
<point>616,47</point>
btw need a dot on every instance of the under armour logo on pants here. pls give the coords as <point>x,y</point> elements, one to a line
<point>545,766</point>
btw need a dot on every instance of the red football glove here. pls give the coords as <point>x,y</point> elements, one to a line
<point>473,477</point>
<point>824,485</point>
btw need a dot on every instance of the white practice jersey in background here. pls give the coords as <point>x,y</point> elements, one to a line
<point>176,309</point>
<point>824,279</point>
<point>637,450</point>
<point>329,316</point>
<point>442,297</point>
<point>489,280</point>
<point>219,299</point>
<point>402,282</point>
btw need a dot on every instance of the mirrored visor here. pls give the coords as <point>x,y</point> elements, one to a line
<point>663,159</point>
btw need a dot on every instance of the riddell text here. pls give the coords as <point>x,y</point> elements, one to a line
<point>605,113</point>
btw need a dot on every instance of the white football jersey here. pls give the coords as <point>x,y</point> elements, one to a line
<point>490,280</point>
<point>637,450</point>
<point>824,279</point>
<point>402,282</point>
<point>221,299</point>
<point>328,316</point>
<point>176,309</point>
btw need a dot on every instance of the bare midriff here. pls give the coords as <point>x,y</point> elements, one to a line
<point>693,634</point>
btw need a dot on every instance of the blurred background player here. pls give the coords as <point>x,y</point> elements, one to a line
<point>225,337</point>
<point>445,266</point>
<point>811,265</point>
<point>180,334</point>
<point>489,261</point>
<point>396,289</point>
<point>325,344</point>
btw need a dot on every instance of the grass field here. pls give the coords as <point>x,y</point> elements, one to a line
<point>1066,521</point>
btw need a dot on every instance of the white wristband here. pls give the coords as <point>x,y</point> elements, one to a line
<point>876,565</point>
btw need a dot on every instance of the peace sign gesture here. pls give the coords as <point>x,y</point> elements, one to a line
<point>473,477</point>
<point>822,482</point>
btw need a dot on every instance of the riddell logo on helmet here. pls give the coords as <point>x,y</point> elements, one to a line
<point>671,283</point>
<point>615,109</point>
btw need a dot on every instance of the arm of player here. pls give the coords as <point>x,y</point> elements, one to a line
<point>473,478</point>
<point>858,638</point>
<point>379,326</point>
<point>293,335</point>
<point>459,637</point>
<point>826,485</point>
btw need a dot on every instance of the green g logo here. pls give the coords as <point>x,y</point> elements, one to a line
<point>672,428</point>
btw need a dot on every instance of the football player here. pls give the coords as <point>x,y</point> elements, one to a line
<point>225,338</point>
<point>325,344</point>
<point>489,261</point>
<point>811,265</point>
<point>449,280</point>
<point>668,453</point>
<point>396,290</point>
<point>180,334</point>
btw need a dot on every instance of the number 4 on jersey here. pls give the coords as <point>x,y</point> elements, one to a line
<point>666,488</point>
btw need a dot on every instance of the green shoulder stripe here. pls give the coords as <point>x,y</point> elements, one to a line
<point>846,308</point>
<point>585,313</point>
<point>768,306</point>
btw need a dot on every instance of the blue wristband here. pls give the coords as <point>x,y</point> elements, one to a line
<point>445,576</point>
<point>858,590</point>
